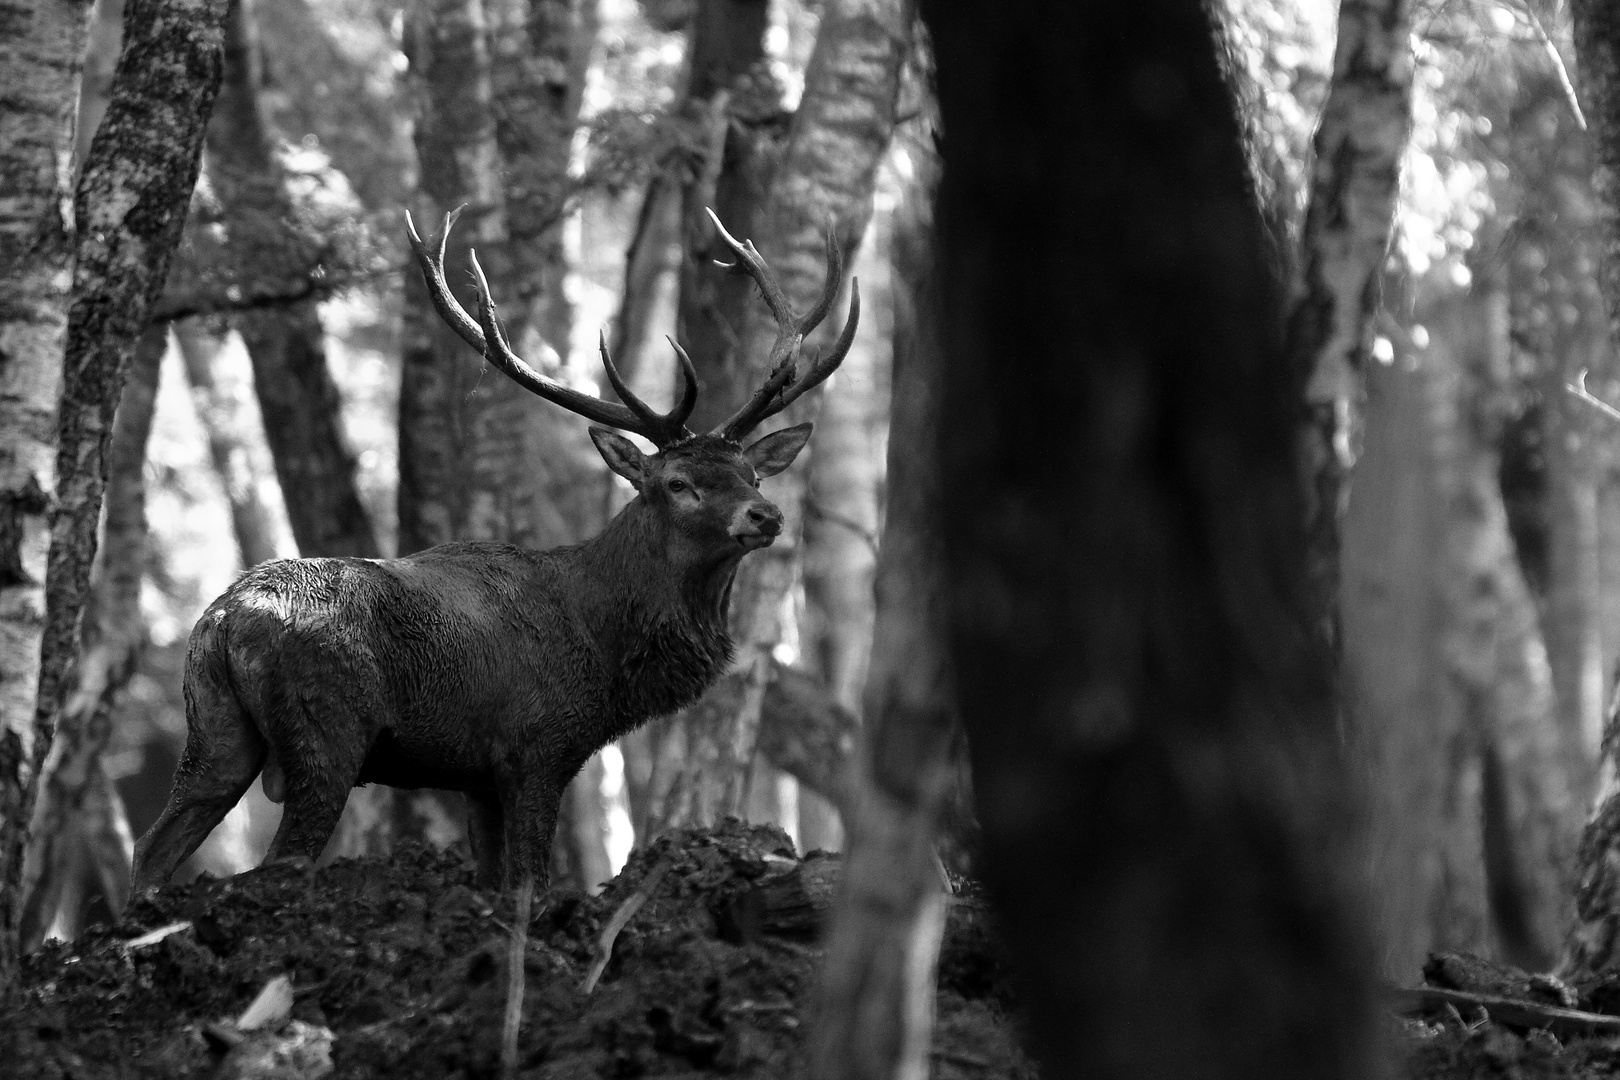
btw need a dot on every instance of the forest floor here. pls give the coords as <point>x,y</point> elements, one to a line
<point>397,969</point>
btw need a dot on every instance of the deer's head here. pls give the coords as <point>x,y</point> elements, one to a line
<point>705,487</point>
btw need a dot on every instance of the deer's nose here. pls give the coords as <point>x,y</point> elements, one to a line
<point>767,519</point>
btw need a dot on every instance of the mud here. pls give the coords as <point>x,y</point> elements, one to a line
<point>403,962</point>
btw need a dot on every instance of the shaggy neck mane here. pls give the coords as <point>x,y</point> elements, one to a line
<point>623,557</point>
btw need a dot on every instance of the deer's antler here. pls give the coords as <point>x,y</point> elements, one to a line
<point>783,386</point>
<point>486,336</point>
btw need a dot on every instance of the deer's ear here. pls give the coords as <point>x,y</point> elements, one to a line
<point>777,450</point>
<point>620,454</point>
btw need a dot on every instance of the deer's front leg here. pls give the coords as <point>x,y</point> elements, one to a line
<point>530,818</point>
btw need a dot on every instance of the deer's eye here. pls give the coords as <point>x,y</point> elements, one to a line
<point>677,485</point>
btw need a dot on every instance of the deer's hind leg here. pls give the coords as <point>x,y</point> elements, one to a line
<point>223,754</point>
<point>318,757</point>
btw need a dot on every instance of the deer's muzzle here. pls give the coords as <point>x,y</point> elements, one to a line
<point>756,525</point>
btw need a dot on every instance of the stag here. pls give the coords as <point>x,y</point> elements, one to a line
<point>486,668</point>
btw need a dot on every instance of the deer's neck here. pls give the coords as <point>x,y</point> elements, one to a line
<point>660,618</point>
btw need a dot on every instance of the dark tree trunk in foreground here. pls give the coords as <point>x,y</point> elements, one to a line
<point>130,205</point>
<point>1593,945</point>
<point>877,982</point>
<point>79,831</point>
<point>303,413</point>
<point>1354,184</point>
<point>1148,707</point>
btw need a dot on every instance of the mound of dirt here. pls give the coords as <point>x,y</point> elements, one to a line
<point>397,969</point>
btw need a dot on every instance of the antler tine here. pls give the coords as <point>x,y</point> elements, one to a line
<point>777,394</point>
<point>829,291</point>
<point>689,378</point>
<point>750,262</point>
<point>782,388</point>
<point>664,429</point>
<point>497,351</point>
<point>448,307</point>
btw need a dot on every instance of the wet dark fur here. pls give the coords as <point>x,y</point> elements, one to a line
<point>478,667</point>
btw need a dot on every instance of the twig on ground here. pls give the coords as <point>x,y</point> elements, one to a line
<point>514,979</point>
<point>621,918</point>
<point>152,937</point>
<point>1511,1012</point>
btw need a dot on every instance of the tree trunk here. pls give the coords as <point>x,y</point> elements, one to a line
<point>1592,946</point>
<point>77,804</point>
<point>1365,127</point>
<point>1148,705</point>
<point>41,58</point>
<point>825,181</point>
<point>226,418</point>
<point>1410,728</point>
<point>877,983</point>
<point>841,520</point>
<point>1597,44</point>
<point>1571,622</point>
<point>1533,767</point>
<point>129,205</point>
<point>455,143</point>
<point>302,409</point>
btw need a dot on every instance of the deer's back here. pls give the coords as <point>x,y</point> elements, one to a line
<point>446,649</point>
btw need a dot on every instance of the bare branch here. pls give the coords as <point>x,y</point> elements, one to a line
<point>1578,388</point>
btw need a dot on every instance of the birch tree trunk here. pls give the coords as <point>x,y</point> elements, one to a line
<point>1354,184</point>
<point>877,982</point>
<point>129,205</point>
<point>845,498</point>
<point>825,180</point>
<point>42,48</point>
<point>226,419</point>
<point>1147,702</point>
<point>79,831</point>
<point>298,398</point>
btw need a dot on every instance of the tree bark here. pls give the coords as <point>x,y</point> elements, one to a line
<point>728,91</point>
<point>129,205</point>
<point>877,982</point>
<point>77,803</point>
<point>825,181</point>
<point>1355,181</point>
<point>1597,44</point>
<point>41,60</point>
<point>1592,946</point>
<point>845,499</point>
<point>226,418</point>
<point>1532,769</point>
<point>1410,728</point>
<point>455,143</point>
<point>1148,705</point>
<point>300,403</point>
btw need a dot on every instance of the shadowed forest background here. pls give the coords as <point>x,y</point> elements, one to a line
<point>1362,523</point>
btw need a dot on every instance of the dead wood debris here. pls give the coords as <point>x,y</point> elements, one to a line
<point>621,918</point>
